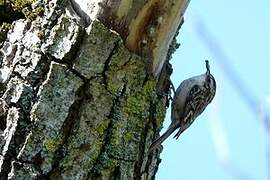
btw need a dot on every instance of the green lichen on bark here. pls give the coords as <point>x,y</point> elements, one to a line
<point>33,13</point>
<point>94,107</point>
<point>131,118</point>
<point>115,118</point>
<point>56,96</point>
<point>63,37</point>
<point>124,69</point>
<point>18,4</point>
<point>11,10</point>
<point>87,138</point>
<point>160,113</point>
<point>95,50</point>
<point>139,102</point>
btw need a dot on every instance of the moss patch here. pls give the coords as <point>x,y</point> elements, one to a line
<point>52,145</point>
<point>11,10</point>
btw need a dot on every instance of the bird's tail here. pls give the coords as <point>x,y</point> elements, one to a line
<point>162,138</point>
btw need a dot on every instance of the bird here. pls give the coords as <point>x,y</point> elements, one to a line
<point>189,101</point>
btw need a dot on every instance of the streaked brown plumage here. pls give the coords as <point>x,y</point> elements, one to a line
<point>190,100</point>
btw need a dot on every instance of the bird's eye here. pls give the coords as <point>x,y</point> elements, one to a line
<point>208,80</point>
<point>195,88</point>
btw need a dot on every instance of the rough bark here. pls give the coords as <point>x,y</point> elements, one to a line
<point>77,100</point>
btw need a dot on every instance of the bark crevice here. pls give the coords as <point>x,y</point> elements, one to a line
<point>94,172</point>
<point>80,104</point>
<point>67,130</point>
<point>107,64</point>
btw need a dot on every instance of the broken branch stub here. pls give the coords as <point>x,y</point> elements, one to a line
<point>146,26</point>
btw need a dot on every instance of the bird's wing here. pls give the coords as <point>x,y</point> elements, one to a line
<point>195,104</point>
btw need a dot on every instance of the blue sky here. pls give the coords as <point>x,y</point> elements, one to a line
<point>228,141</point>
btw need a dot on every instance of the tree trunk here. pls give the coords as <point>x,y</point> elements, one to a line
<point>84,87</point>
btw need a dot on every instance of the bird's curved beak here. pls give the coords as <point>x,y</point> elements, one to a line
<point>207,67</point>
